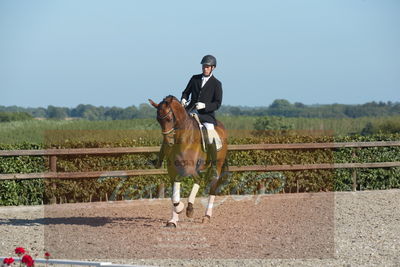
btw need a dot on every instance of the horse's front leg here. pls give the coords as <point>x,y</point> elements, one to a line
<point>178,205</point>
<point>192,197</point>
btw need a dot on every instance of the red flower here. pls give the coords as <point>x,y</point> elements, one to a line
<point>47,255</point>
<point>28,260</point>
<point>8,261</point>
<point>19,251</point>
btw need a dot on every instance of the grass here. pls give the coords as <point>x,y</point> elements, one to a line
<point>340,126</point>
<point>38,131</point>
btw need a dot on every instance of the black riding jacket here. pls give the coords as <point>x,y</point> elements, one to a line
<point>210,95</point>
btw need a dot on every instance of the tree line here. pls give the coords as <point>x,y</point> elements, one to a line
<point>283,108</point>
<point>279,107</point>
<point>88,112</point>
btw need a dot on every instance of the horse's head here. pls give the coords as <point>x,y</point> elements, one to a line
<point>169,114</point>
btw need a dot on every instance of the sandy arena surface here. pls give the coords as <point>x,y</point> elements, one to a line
<point>307,229</point>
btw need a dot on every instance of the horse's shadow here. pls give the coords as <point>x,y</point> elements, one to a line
<point>82,221</point>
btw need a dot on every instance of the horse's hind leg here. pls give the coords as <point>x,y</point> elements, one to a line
<point>211,198</point>
<point>215,182</point>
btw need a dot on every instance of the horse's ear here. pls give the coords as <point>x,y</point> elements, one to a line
<point>153,103</point>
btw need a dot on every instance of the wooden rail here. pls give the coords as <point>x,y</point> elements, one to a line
<point>99,174</point>
<point>53,153</point>
<point>153,149</point>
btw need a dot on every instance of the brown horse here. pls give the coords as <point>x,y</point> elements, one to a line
<point>185,156</point>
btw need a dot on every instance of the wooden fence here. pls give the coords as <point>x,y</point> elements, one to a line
<point>53,153</point>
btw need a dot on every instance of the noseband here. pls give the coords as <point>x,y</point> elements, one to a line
<point>172,130</point>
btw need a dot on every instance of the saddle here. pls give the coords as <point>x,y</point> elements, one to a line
<point>207,136</point>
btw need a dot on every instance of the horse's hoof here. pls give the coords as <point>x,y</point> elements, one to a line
<point>189,210</point>
<point>206,219</point>
<point>171,225</point>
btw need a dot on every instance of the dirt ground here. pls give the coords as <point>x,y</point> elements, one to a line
<point>309,229</point>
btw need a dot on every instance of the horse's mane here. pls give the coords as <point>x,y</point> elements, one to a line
<point>183,115</point>
<point>169,98</point>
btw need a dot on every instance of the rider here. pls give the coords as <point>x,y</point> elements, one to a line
<point>206,98</point>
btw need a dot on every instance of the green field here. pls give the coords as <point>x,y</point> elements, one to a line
<point>36,131</point>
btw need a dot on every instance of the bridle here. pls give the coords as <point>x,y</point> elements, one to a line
<point>171,132</point>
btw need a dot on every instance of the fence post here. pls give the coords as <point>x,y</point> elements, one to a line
<point>161,189</point>
<point>53,168</point>
<point>261,188</point>
<point>53,163</point>
<point>354,175</point>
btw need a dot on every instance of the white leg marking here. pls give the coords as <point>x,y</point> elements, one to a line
<point>210,205</point>
<point>176,193</point>
<point>193,193</point>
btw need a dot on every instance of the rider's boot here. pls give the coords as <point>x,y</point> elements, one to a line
<point>212,156</point>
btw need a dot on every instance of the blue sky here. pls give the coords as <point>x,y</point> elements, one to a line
<point>120,53</point>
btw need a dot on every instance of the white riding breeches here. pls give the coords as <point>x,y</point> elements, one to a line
<point>213,135</point>
<point>209,126</point>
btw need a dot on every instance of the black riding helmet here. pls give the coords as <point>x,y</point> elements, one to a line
<point>209,60</point>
